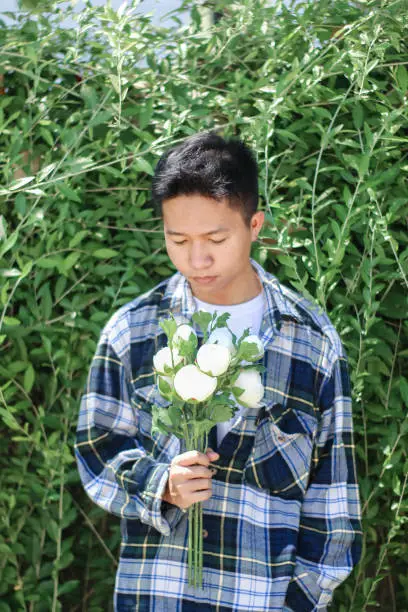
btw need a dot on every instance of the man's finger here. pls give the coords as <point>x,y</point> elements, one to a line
<point>191,458</point>
<point>182,472</point>
<point>197,484</point>
<point>199,471</point>
<point>198,496</point>
<point>211,454</point>
<point>202,496</point>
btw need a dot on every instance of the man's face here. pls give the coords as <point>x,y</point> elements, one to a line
<point>209,243</point>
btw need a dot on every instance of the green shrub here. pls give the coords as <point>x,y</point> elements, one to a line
<point>320,91</point>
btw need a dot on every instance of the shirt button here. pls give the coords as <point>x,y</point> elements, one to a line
<point>281,439</point>
<point>205,533</point>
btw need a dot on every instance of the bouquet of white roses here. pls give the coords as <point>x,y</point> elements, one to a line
<point>201,386</point>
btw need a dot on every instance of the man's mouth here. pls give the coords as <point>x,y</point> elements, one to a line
<point>204,280</point>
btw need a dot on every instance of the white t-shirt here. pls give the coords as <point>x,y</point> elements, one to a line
<point>248,314</point>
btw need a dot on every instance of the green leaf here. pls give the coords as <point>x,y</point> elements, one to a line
<point>143,165</point>
<point>221,413</point>
<point>11,321</point>
<point>26,269</point>
<point>401,75</point>
<point>9,420</point>
<point>237,391</point>
<point>221,321</point>
<point>175,415</point>
<point>363,164</point>
<point>65,560</point>
<point>12,273</point>
<point>161,422</point>
<point>21,182</point>
<point>287,261</point>
<point>101,117</point>
<point>44,172</point>
<point>248,351</point>
<point>163,386</point>
<point>20,204</point>
<point>69,262</point>
<point>9,243</point>
<point>29,377</point>
<point>187,348</point>
<point>169,327</point>
<point>68,192</point>
<point>202,319</point>
<point>52,529</point>
<point>114,79</point>
<point>68,586</point>
<point>46,301</point>
<point>49,262</point>
<point>203,427</point>
<point>403,387</point>
<point>78,238</point>
<point>105,253</point>
<point>46,134</point>
<point>358,115</point>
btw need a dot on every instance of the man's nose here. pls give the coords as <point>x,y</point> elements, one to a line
<point>200,258</point>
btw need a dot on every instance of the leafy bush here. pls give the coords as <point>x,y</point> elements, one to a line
<point>320,91</point>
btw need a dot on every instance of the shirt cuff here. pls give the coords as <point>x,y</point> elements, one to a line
<point>162,516</point>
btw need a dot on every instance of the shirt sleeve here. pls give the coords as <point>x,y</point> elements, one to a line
<point>330,533</point>
<point>116,471</point>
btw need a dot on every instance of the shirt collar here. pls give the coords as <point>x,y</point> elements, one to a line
<point>277,306</point>
<point>179,300</point>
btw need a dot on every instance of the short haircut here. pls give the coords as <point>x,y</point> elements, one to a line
<point>212,166</point>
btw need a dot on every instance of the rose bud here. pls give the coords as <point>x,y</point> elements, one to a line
<point>251,382</point>
<point>192,384</point>
<point>213,359</point>
<point>163,358</point>
<point>223,337</point>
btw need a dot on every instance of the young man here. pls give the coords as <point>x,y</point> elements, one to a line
<point>281,513</point>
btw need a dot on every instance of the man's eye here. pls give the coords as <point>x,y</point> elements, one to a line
<point>218,241</point>
<point>181,242</point>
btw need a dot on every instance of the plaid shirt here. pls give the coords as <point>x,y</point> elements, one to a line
<point>282,529</point>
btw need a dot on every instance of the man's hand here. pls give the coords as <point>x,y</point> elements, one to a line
<point>190,478</point>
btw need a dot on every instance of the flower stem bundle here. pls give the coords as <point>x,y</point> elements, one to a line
<point>203,386</point>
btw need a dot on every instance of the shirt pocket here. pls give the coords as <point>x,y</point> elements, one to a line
<point>161,447</point>
<point>279,461</point>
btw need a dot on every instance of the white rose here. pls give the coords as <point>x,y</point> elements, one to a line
<point>163,358</point>
<point>213,359</point>
<point>251,382</point>
<point>190,383</point>
<point>253,339</point>
<point>223,337</point>
<point>183,332</point>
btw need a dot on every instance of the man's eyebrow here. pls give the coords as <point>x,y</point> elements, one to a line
<point>215,231</point>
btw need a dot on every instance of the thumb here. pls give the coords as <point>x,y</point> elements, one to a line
<point>212,455</point>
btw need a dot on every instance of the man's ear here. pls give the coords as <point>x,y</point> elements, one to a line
<point>257,221</point>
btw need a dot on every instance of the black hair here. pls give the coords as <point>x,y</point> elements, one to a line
<point>209,165</point>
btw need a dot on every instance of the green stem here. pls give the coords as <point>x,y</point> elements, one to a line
<point>201,545</point>
<point>197,545</point>
<point>195,520</point>
<point>190,545</point>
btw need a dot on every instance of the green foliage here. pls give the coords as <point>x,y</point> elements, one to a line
<point>320,91</point>
<point>203,320</point>
<point>169,327</point>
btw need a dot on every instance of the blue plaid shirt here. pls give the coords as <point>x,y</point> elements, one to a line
<point>283,528</point>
